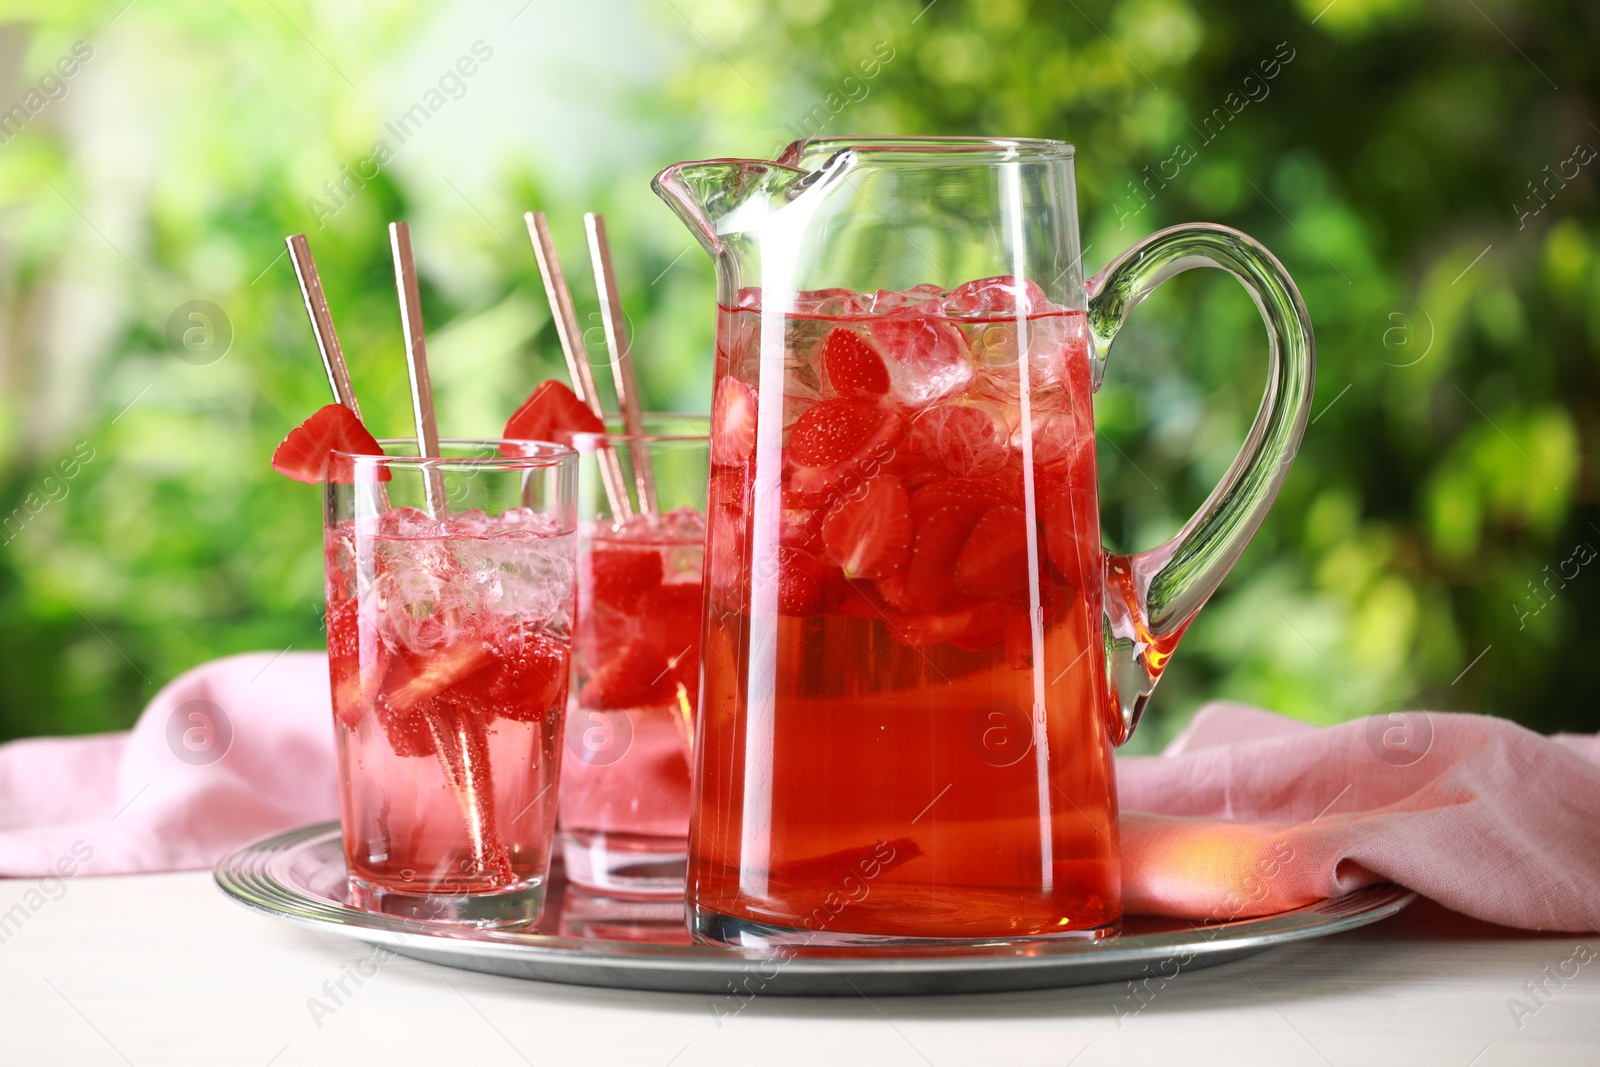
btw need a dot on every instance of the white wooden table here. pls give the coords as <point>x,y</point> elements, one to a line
<point>162,969</point>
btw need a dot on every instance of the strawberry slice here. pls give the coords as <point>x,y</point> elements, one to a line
<point>623,575</point>
<point>350,698</point>
<point>733,423</point>
<point>415,678</point>
<point>306,454</point>
<point>669,620</point>
<point>930,576</point>
<point>798,525</point>
<point>532,667</point>
<point>1073,561</point>
<point>853,366</point>
<point>837,440</point>
<point>408,732</point>
<point>832,432</point>
<point>729,489</point>
<point>868,535</point>
<point>994,561</point>
<point>973,494</point>
<point>914,469</point>
<point>412,688</point>
<point>806,585</point>
<point>928,357</point>
<point>640,677</point>
<point>552,412</point>
<point>892,588</point>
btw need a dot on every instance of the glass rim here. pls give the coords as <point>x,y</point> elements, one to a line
<point>1003,147</point>
<point>620,435</point>
<point>535,455</point>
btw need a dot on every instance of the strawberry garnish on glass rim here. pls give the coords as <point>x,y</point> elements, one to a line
<point>552,412</point>
<point>307,453</point>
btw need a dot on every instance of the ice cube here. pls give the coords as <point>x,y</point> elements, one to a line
<point>829,303</point>
<point>1051,342</point>
<point>802,345</point>
<point>925,299</point>
<point>473,523</point>
<point>996,296</point>
<point>927,358</point>
<point>803,376</point>
<point>535,581</point>
<point>798,398</point>
<point>677,524</point>
<point>517,522</point>
<point>407,523</point>
<point>739,344</point>
<point>684,524</point>
<point>968,439</point>
<point>1056,437</point>
<point>994,347</point>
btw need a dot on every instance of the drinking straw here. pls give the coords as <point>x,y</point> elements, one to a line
<point>305,272</point>
<point>627,384</point>
<point>460,737</point>
<point>316,301</point>
<point>405,283</point>
<point>577,356</point>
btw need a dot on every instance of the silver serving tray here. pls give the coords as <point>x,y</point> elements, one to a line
<point>589,940</point>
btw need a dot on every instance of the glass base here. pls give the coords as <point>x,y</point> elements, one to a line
<point>517,905</point>
<point>714,928</point>
<point>625,865</point>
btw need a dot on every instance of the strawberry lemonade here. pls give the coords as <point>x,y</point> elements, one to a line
<point>449,650</point>
<point>902,669</point>
<point>625,775</point>
<point>625,783</point>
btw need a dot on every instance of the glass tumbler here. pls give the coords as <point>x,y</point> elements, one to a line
<point>641,538</point>
<point>450,585</point>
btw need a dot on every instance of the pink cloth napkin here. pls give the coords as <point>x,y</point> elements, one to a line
<point>1246,813</point>
<point>237,748</point>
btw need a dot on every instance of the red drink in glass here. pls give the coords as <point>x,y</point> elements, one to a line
<point>449,651</point>
<point>625,780</point>
<point>923,574</point>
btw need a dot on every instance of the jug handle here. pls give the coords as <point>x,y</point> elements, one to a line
<point>1152,596</point>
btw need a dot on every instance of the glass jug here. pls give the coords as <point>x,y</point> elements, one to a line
<point>917,656</point>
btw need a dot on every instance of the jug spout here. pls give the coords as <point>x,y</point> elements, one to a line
<point>717,198</point>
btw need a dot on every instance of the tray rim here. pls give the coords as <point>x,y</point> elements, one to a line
<point>239,875</point>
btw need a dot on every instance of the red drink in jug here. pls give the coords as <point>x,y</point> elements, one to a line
<point>904,680</point>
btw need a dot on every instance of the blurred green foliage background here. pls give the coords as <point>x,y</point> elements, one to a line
<point>1427,172</point>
